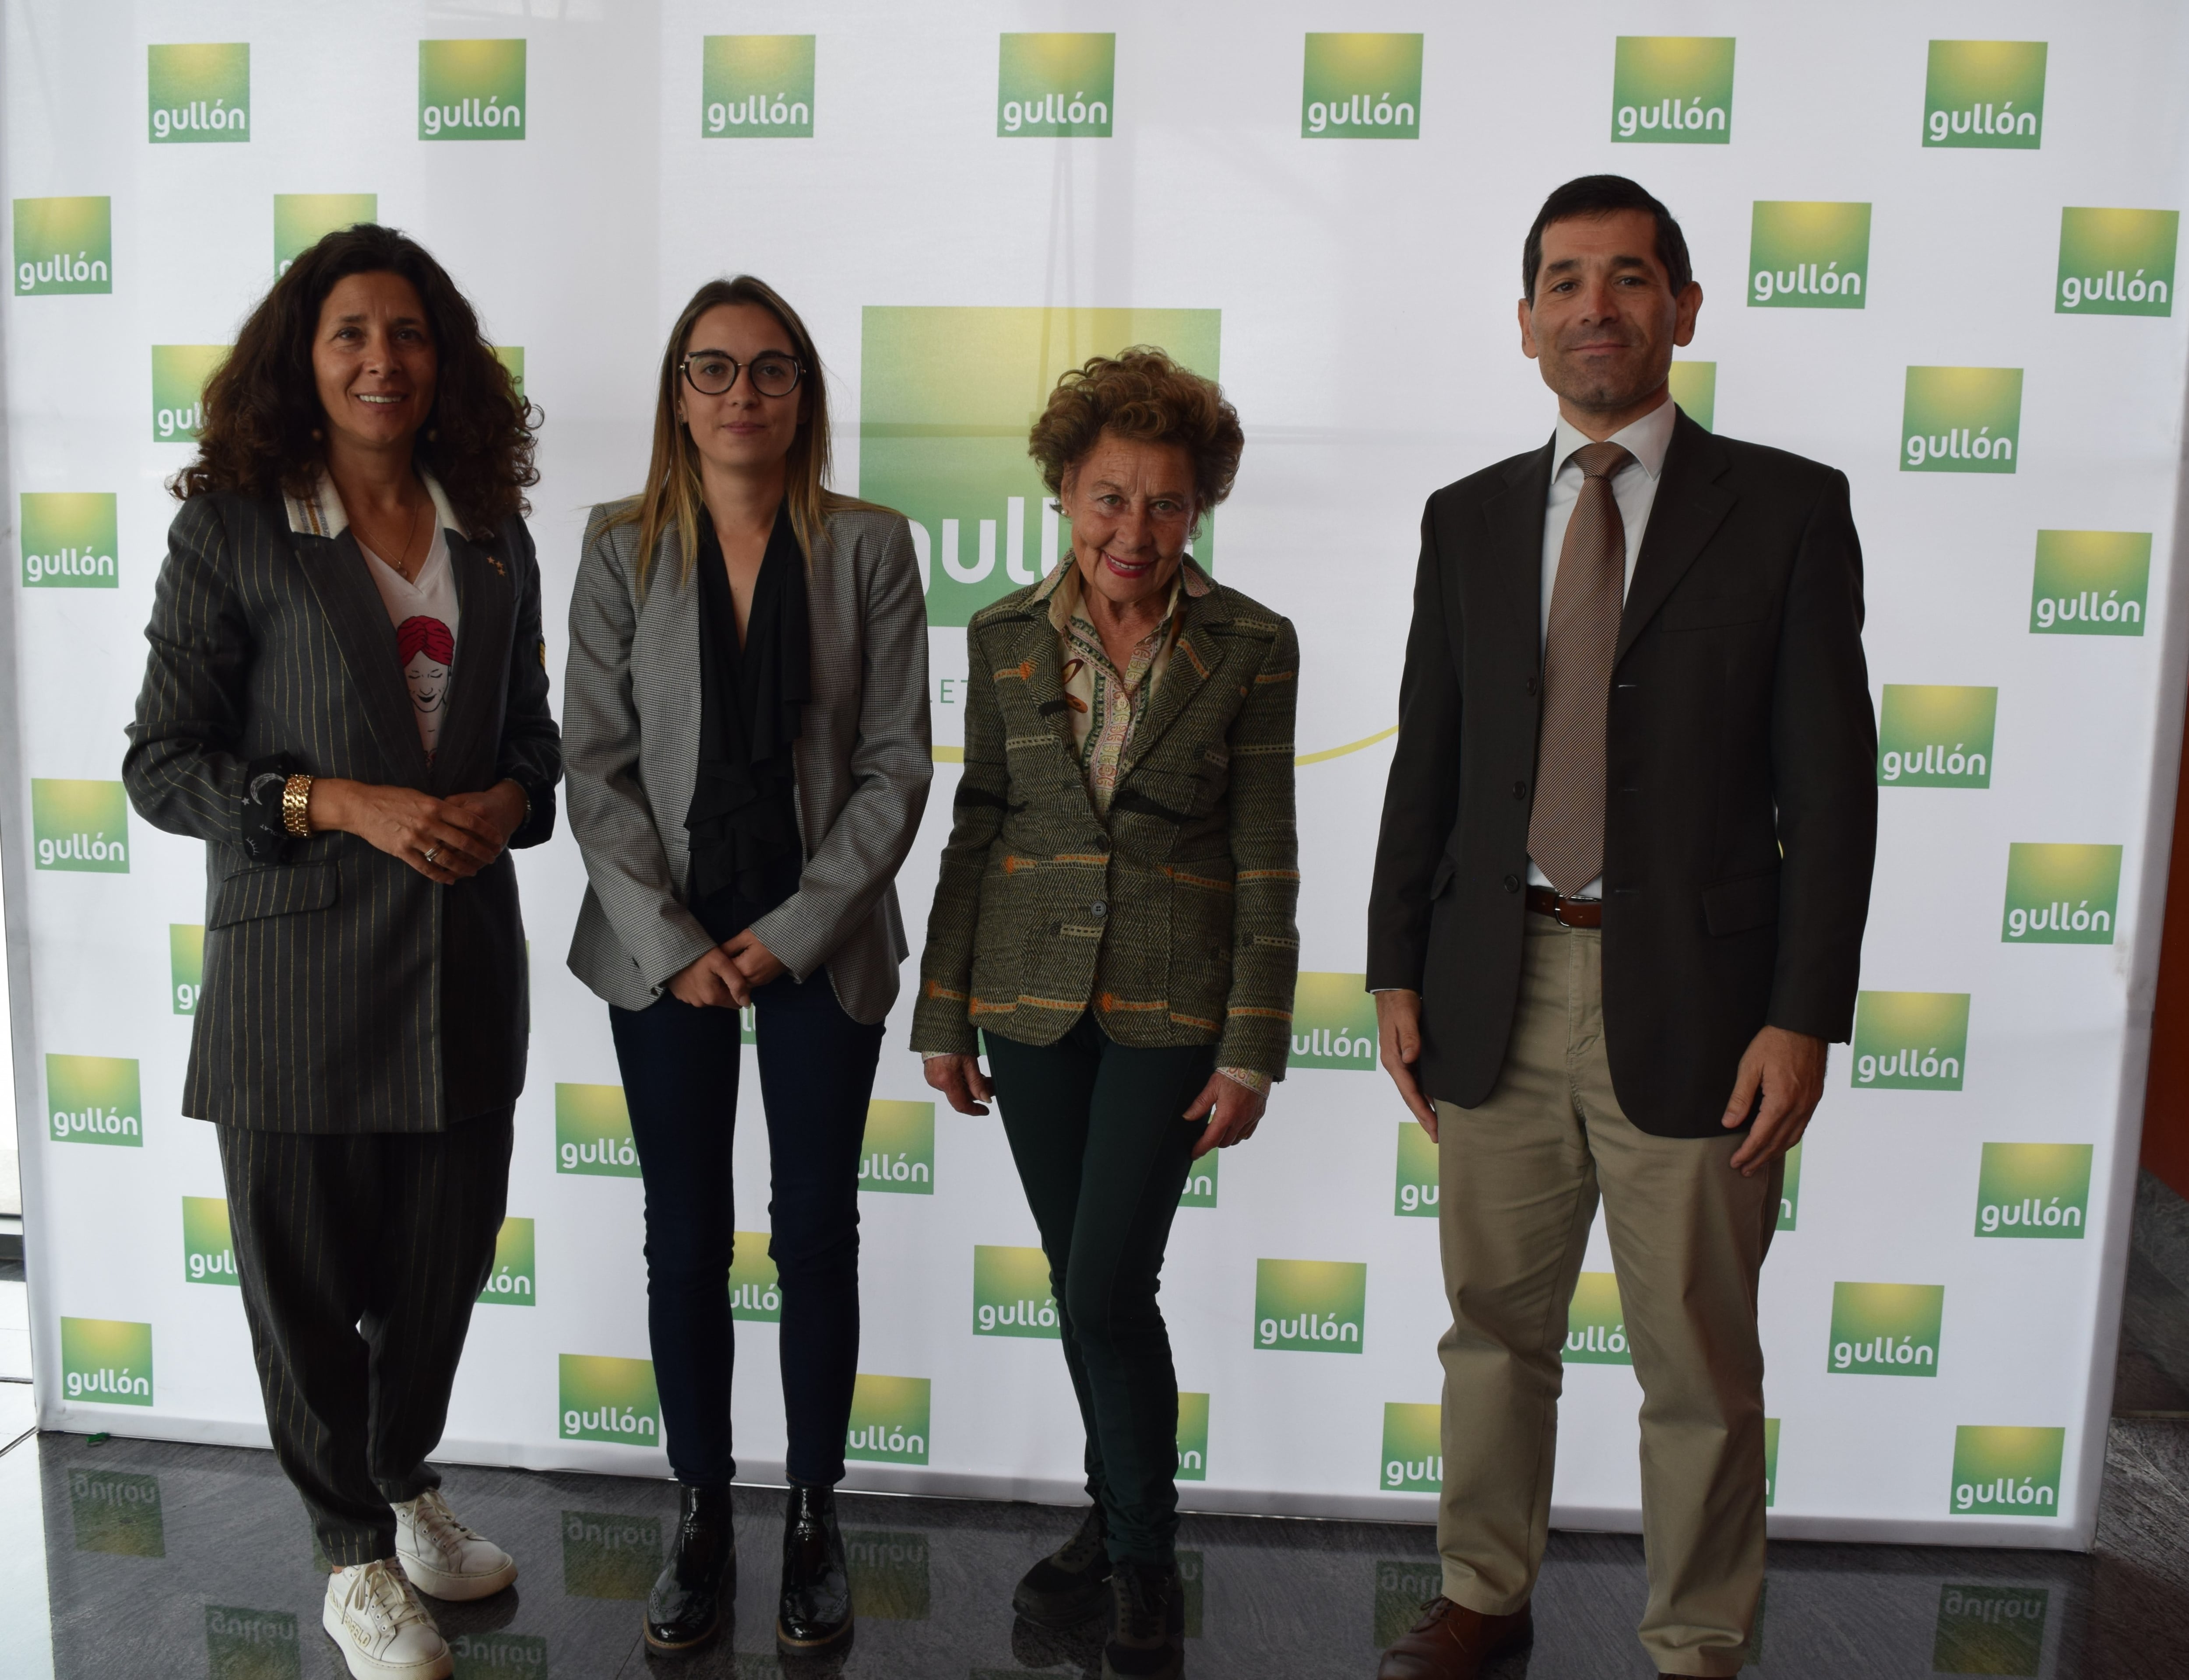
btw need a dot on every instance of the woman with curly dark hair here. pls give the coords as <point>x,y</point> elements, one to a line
<point>346,701</point>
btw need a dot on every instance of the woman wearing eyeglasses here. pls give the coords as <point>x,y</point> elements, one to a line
<point>746,731</point>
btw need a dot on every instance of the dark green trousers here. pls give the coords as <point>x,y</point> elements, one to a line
<point>1099,1134</point>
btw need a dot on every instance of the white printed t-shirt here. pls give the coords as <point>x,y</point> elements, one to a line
<point>424,614</point>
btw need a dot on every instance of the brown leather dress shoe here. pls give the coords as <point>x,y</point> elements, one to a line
<point>1452,1643</point>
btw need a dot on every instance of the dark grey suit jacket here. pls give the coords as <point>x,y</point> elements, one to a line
<point>344,991</point>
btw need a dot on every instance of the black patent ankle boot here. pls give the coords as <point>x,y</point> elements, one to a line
<point>815,1607</point>
<point>690,1596</point>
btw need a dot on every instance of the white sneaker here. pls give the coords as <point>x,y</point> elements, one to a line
<point>384,1634</point>
<point>442,1557</point>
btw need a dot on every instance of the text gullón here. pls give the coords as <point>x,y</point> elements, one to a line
<point>80,848</point>
<point>507,1282</point>
<point>1959,444</point>
<point>1806,280</point>
<point>883,1438</point>
<point>1936,760</point>
<point>107,1381</point>
<point>2058,917</point>
<point>81,270</point>
<point>1338,1046</point>
<point>90,1122</point>
<point>1967,1495</point>
<point>1959,1602</point>
<point>67,563</point>
<point>755,1298</point>
<point>877,1167</point>
<point>758,112</point>
<point>1981,120</point>
<point>1666,114</point>
<point>608,1420</point>
<point>2114,286</point>
<point>201,117</point>
<point>250,1629</point>
<point>2029,1214</point>
<point>2086,607</point>
<point>1845,1355</point>
<point>1024,1314</point>
<point>1415,1197</point>
<point>1401,1472</point>
<point>1596,1338</point>
<point>470,113</point>
<point>1053,109</point>
<point>221,1264</point>
<point>1906,1063</point>
<point>1306,1328</point>
<point>600,1153</point>
<point>179,423</point>
<point>1361,110</point>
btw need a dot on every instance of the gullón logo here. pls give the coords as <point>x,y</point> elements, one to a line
<point>2090,583</point>
<point>500,1656</point>
<point>1770,1462</point>
<point>1886,1329</point>
<point>889,1420</point>
<point>117,1512</point>
<point>1910,1041</point>
<point>1961,420</point>
<point>198,92</point>
<point>1201,1181</point>
<point>1596,1322</point>
<point>208,1252</point>
<point>756,86</point>
<point>1933,736</point>
<point>1790,1190</point>
<point>80,826</point>
<point>94,1099</point>
<point>70,539</point>
<point>106,1362</point>
<point>2033,1190</point>
<point>607,1555</point>
<point>1362,87</point>
<point>1311,1306</point>
<point>1985,93</point>
<point>755,1288</point>
<point>63,246</point>
<point>185,965</point>
<point>1803,256</point>
<point>1334,1023</point>
<point>2062,894</point>
<point>888,1573</point>
<point>2117,262</point>
<point>946,397</point>
<point>1673,87</point>
<point>511,1283</point>
<point>593,1132</point>
<point>609,1399</point>
<point>1010,1293</point>
<point>1990,1630</point>
<point>1415,1196</point>
<point>898,1154</point>
<point>1694,387</point>
<point>1413,1448</point>
<point>301,220</point>
<point>180,372</point>
<point>1048,85</point>
<point>471,90</point>
<point>244,1644</point>
<point>2007,1472</point>
<point>1192,1437</point>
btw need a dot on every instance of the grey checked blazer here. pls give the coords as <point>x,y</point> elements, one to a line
<point>630,716</point>
<point>344,991</point>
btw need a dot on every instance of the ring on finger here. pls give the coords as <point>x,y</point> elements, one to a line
<point>431,852</point>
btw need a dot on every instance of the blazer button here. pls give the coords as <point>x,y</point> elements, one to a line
<point>1099,909</point>
<point>1532,684</point>
<point>1511,883</point>
<point>1520,791</point>
<point>1102,843</point>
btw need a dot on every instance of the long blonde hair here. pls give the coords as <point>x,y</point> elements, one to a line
<point>672,498</point>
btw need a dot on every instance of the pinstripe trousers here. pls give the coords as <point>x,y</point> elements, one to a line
<point>361,1255</point>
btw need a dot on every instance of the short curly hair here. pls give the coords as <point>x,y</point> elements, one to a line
<point>1142,394</point>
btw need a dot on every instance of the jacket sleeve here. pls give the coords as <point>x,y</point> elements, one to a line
<point>892,766</point>
<point>1421,800</point>
<point>1265,862</point>
<point>531,752</point>
<point>1824,754</point>
<point>610,816</point>
<point>940,1018</point>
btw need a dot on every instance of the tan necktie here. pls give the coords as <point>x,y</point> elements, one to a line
<point>1565,826</point>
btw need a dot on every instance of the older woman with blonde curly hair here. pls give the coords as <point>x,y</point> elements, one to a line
<point>1115,915</point>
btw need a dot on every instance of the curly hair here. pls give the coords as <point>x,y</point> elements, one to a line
<point>1142,394</point>
<point>263,417</point>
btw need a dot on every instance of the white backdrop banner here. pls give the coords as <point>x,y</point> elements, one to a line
<point>1945,265</point>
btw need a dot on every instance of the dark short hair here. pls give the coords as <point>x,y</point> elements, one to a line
<point>1604,195</point>
<point>1139,393</point>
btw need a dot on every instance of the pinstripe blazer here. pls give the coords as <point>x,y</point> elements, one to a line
<point>864,762</point>
<point>344,991</point>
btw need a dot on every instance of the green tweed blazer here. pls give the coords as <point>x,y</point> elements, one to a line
<point>1173,919</point>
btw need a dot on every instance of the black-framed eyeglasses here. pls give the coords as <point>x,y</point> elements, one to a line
<point>711,373</point>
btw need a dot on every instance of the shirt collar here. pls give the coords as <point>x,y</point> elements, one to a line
<point>1060,591</point>
<point>321,513</point>
<point>1647,439</point>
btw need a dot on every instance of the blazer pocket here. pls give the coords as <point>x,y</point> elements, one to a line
<point>1737,905</point>
<point>1713,612</point>
<point>280,890</point>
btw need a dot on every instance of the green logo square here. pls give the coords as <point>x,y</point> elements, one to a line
<point>2062,894</point>
<point>1413,1448</point>
<point>106,1361</point>
<point>117,1512</point>
<point>2034,1190</point>
<point>180,372</point>
<point>889,1575</point>
<point>512,1283</point>
<point>94,1099</point>
<point>593,1132</point>
<point>1403,1585</point>
<point>1416,1195</point>
<point>1010,1293</point>
<point>1929,735</point>
<point>1694,387</point>
<point>70,539</point>
<point>1673,87</point>
<point>603,1399</point>
<point>899,1151</point>
<point>1770,1462</point>
<point>1961,420</point>
<point>471,90</point>
<point>1192,1437</point>
<point>1055,85</point>
<point>755,1289</point>
<point>2090,583</point>
<point>1985,93</point>
<point>1201,1181</point>
<point>1790,1190</point>
<point>208,1253</point>
<point>609,1555</point>
<point>1311,1306</point>
<point>63,246</point>
<point>1990,1630</point>
<point>1910,1041</point>
<point>1885,1329</point>
<point>185,965</point>
<point>512,358</point>
<point>301,220</point>
<point>83,826</point>
<point>198,92</point>
<point>1596,1322</point>
<point>1361,87</point>
<point>2117,262</point>
<point>499,1656</point>
<point>756,86</point>
<point>889,1418</point>
<point>1334,1023</point>
<point>2007,1472</point>
<point>945,399</point>
<point>245,1645</point>
<point>1805,255</point>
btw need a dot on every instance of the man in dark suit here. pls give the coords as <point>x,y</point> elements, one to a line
<point>1616,918</point>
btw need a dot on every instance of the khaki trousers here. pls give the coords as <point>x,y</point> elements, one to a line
<point>1520,1177</point>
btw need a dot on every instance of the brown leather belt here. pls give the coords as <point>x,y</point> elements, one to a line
<point>1567,911</point>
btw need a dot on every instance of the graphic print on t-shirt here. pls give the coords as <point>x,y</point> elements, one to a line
<point>427,651</point>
